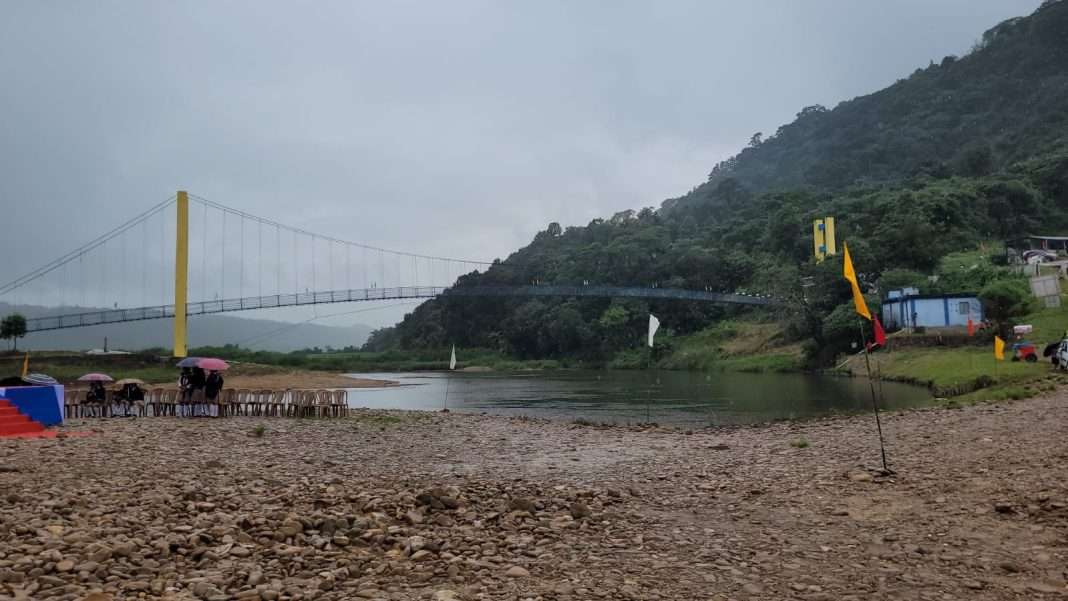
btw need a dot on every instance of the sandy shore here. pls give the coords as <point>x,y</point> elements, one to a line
<point>303,379</point>
<point>429,506</point>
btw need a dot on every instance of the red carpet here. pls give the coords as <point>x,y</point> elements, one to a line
<point>13,423</point>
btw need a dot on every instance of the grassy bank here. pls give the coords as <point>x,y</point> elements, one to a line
<point>733,346</point>
<point>971,373</point>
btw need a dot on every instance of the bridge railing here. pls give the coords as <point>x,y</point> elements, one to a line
<point>92,318</point>
<point>610,291</point>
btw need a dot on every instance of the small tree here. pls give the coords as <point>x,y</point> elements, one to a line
<point>12,328</point>
<point>1005,299</point>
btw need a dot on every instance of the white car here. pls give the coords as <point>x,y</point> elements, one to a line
<point>1032,257</point>
<point>1062,355</point>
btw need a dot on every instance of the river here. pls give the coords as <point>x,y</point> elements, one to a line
<point>666,397</point>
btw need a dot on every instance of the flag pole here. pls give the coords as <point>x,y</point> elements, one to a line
<point>654,325</point>
<point>874,401</point>
<point>648,386</point>
<point>445,405</point>
<point>448,380</point>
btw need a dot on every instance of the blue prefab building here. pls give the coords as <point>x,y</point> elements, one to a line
<point>905,310</point>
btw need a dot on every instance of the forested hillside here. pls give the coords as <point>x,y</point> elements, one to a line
<point>962,153</point>
<point>968,116</point>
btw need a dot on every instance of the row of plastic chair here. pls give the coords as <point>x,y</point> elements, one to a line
<point>76,405</point>
<point>159,402</point>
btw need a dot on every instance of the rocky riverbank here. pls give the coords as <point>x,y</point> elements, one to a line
<point>427,506</point>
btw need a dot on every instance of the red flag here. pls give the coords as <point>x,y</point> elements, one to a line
<point>880,335</point>
<point>971,327</point>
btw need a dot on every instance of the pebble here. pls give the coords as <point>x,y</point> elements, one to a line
<point>485,508</point>
<point>517,572</point>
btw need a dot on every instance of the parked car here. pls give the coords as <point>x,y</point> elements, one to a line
<point>1039,256</point>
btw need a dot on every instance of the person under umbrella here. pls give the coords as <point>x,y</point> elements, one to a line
<point>212,387</point>
<point>97,397</point>
<point>130,391</point>
<point>185,390</point>
<point>197,383</point>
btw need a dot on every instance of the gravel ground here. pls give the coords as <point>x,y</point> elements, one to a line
<point>429,506</point>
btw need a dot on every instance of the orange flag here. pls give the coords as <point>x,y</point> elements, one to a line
<point>999,348</point>
<point>971,327</point>
<point>847,271</point>
<point>26,364</point>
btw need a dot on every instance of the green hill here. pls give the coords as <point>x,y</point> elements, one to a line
<point>963,152</point>
<point>971,116</point>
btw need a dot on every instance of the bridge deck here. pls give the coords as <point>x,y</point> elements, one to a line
<point>93,318</point>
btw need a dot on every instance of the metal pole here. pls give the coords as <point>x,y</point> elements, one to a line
<point>874,401</point>
<point>445,405</point>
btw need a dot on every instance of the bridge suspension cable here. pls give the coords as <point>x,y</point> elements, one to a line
<point>85,248</point>
<point>301,231</point>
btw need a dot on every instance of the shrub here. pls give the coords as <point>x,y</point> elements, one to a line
<point>1004,300</point>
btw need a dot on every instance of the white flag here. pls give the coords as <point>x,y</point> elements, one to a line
<point>654,324</point>
<point>452,362</point>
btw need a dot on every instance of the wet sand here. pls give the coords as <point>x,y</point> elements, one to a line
<point>402,505</point>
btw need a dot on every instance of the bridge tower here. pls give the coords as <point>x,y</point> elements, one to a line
<point>181,274</point>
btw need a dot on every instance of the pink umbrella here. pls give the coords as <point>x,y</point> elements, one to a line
<point>213,364</point>
<point>95,377</point>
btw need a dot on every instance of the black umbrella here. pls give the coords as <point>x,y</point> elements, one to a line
<point>189,362</point>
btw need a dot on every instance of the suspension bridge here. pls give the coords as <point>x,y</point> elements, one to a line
<point>276,266</point>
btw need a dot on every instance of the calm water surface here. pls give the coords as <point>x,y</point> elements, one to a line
<point>628,396</point>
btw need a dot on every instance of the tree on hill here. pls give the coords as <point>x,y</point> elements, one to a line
<point>1004,300</point>
<point>12,328</point>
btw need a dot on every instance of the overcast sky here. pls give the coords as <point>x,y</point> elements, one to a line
<point>457,128</point>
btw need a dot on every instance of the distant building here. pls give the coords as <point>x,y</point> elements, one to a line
<point>909,309</point>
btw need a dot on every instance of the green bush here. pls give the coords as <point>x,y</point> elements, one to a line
<point>1006,299</point>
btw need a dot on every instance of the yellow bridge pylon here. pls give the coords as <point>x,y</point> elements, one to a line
<point>181,274</point>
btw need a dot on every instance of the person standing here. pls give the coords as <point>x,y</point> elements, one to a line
<point>197,382</point>
<point>212,386</point>
<point>185,390</point>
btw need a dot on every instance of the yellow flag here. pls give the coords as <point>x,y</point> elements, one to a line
<point>847,271</point>
<point>999,348</point>
<point>26,364</point>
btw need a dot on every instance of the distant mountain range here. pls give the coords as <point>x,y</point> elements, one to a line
<point>205,330</point>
